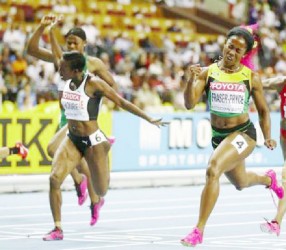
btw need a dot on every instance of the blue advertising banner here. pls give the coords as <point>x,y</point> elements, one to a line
<point>184,144</point>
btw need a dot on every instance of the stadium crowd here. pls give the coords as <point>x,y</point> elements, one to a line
<point>151,77</point>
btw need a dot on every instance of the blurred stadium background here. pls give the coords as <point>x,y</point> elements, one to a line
<point>147,46</point>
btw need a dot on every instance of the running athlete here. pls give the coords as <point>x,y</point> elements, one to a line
<point>81,100</point>
<point>278,84</point>
<point>75,40</point>
<point>18,149</point>
<point>229,85</point>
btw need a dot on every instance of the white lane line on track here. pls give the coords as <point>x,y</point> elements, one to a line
<point>186,214</point>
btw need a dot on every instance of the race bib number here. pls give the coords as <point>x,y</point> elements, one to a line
<point>239,143</point>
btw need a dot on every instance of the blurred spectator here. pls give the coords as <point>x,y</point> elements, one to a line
<point>124,66</point>
<point>26,98</point>
<point>147,98</point>
<point>253,12</point>
<point>64,7</point>
<point>19,65</point>
<point>122,43</point>
<point>12,87</point>
<point>3,88</point>
<point>238,11</point>
<point>14,37</point>
<point>280,66</point>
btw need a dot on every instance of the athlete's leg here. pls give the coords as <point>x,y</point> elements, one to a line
<point>224,159</point>
<point>232,150</point>
<point>273,226</point>
<point>77,177</point>
<point>56,141</point>
<point>66,158</point>
<point>281,210</point>
<point>98,163</point>
<point>241,178</point>
<point>83,168</point>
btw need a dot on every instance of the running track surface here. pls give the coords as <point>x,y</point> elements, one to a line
<point>141,219</point>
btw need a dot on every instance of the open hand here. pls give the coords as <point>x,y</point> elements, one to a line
<point>270,143</point>
<point>159,123</point>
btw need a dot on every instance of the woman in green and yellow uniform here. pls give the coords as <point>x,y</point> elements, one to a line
<point>229,85</point>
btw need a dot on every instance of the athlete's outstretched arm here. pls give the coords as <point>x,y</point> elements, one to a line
<point>33,47</point>
<point>103,88</point>
<point>276,83</point>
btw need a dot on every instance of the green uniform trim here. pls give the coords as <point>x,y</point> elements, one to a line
<point>63,119</point>
<point>225,132</point>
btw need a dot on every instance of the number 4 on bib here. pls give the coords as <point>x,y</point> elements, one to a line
<point>239,143</point>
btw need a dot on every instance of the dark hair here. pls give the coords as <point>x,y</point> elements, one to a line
<point>77,31</point>
<point>239,31</point>
<point>76,60</point>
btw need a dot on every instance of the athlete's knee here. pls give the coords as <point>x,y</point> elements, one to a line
<point>55,180</point>
<point>213,170</point>
<point>101,191</point>
<point>50,149</point>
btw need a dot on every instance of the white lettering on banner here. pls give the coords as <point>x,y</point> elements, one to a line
<point>180,135</point>
<point>187,160</point>
<point>162,160</point>
<point>232,94</point>
<point>149,136</point>
<point>204,133</point>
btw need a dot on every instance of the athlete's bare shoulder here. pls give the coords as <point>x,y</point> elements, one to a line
<point>94,64</point>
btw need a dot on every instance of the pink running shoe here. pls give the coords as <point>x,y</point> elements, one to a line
<point>270,227</point>
<point>23,151</point>
<point>192,239</point>
<point>95,211</point>
<point>278,190</point>
<point>111,139</point>
<point>55,234</point>
<point>81,190</point>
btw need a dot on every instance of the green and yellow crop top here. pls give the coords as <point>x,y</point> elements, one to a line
<point>228,94</point>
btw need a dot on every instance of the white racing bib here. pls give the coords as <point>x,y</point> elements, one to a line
<point>239,143</point>
<point>227,97</point>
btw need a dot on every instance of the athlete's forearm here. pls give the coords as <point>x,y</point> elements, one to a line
<point>265,124</point>
<point>34,49</point>
<point>134,110</point>
<point>56,49</point>
<point>273,82</point>
<point>189,93</point>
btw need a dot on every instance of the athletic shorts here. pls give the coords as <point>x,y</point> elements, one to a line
<point>84,142</point>
<point>219,134</point>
